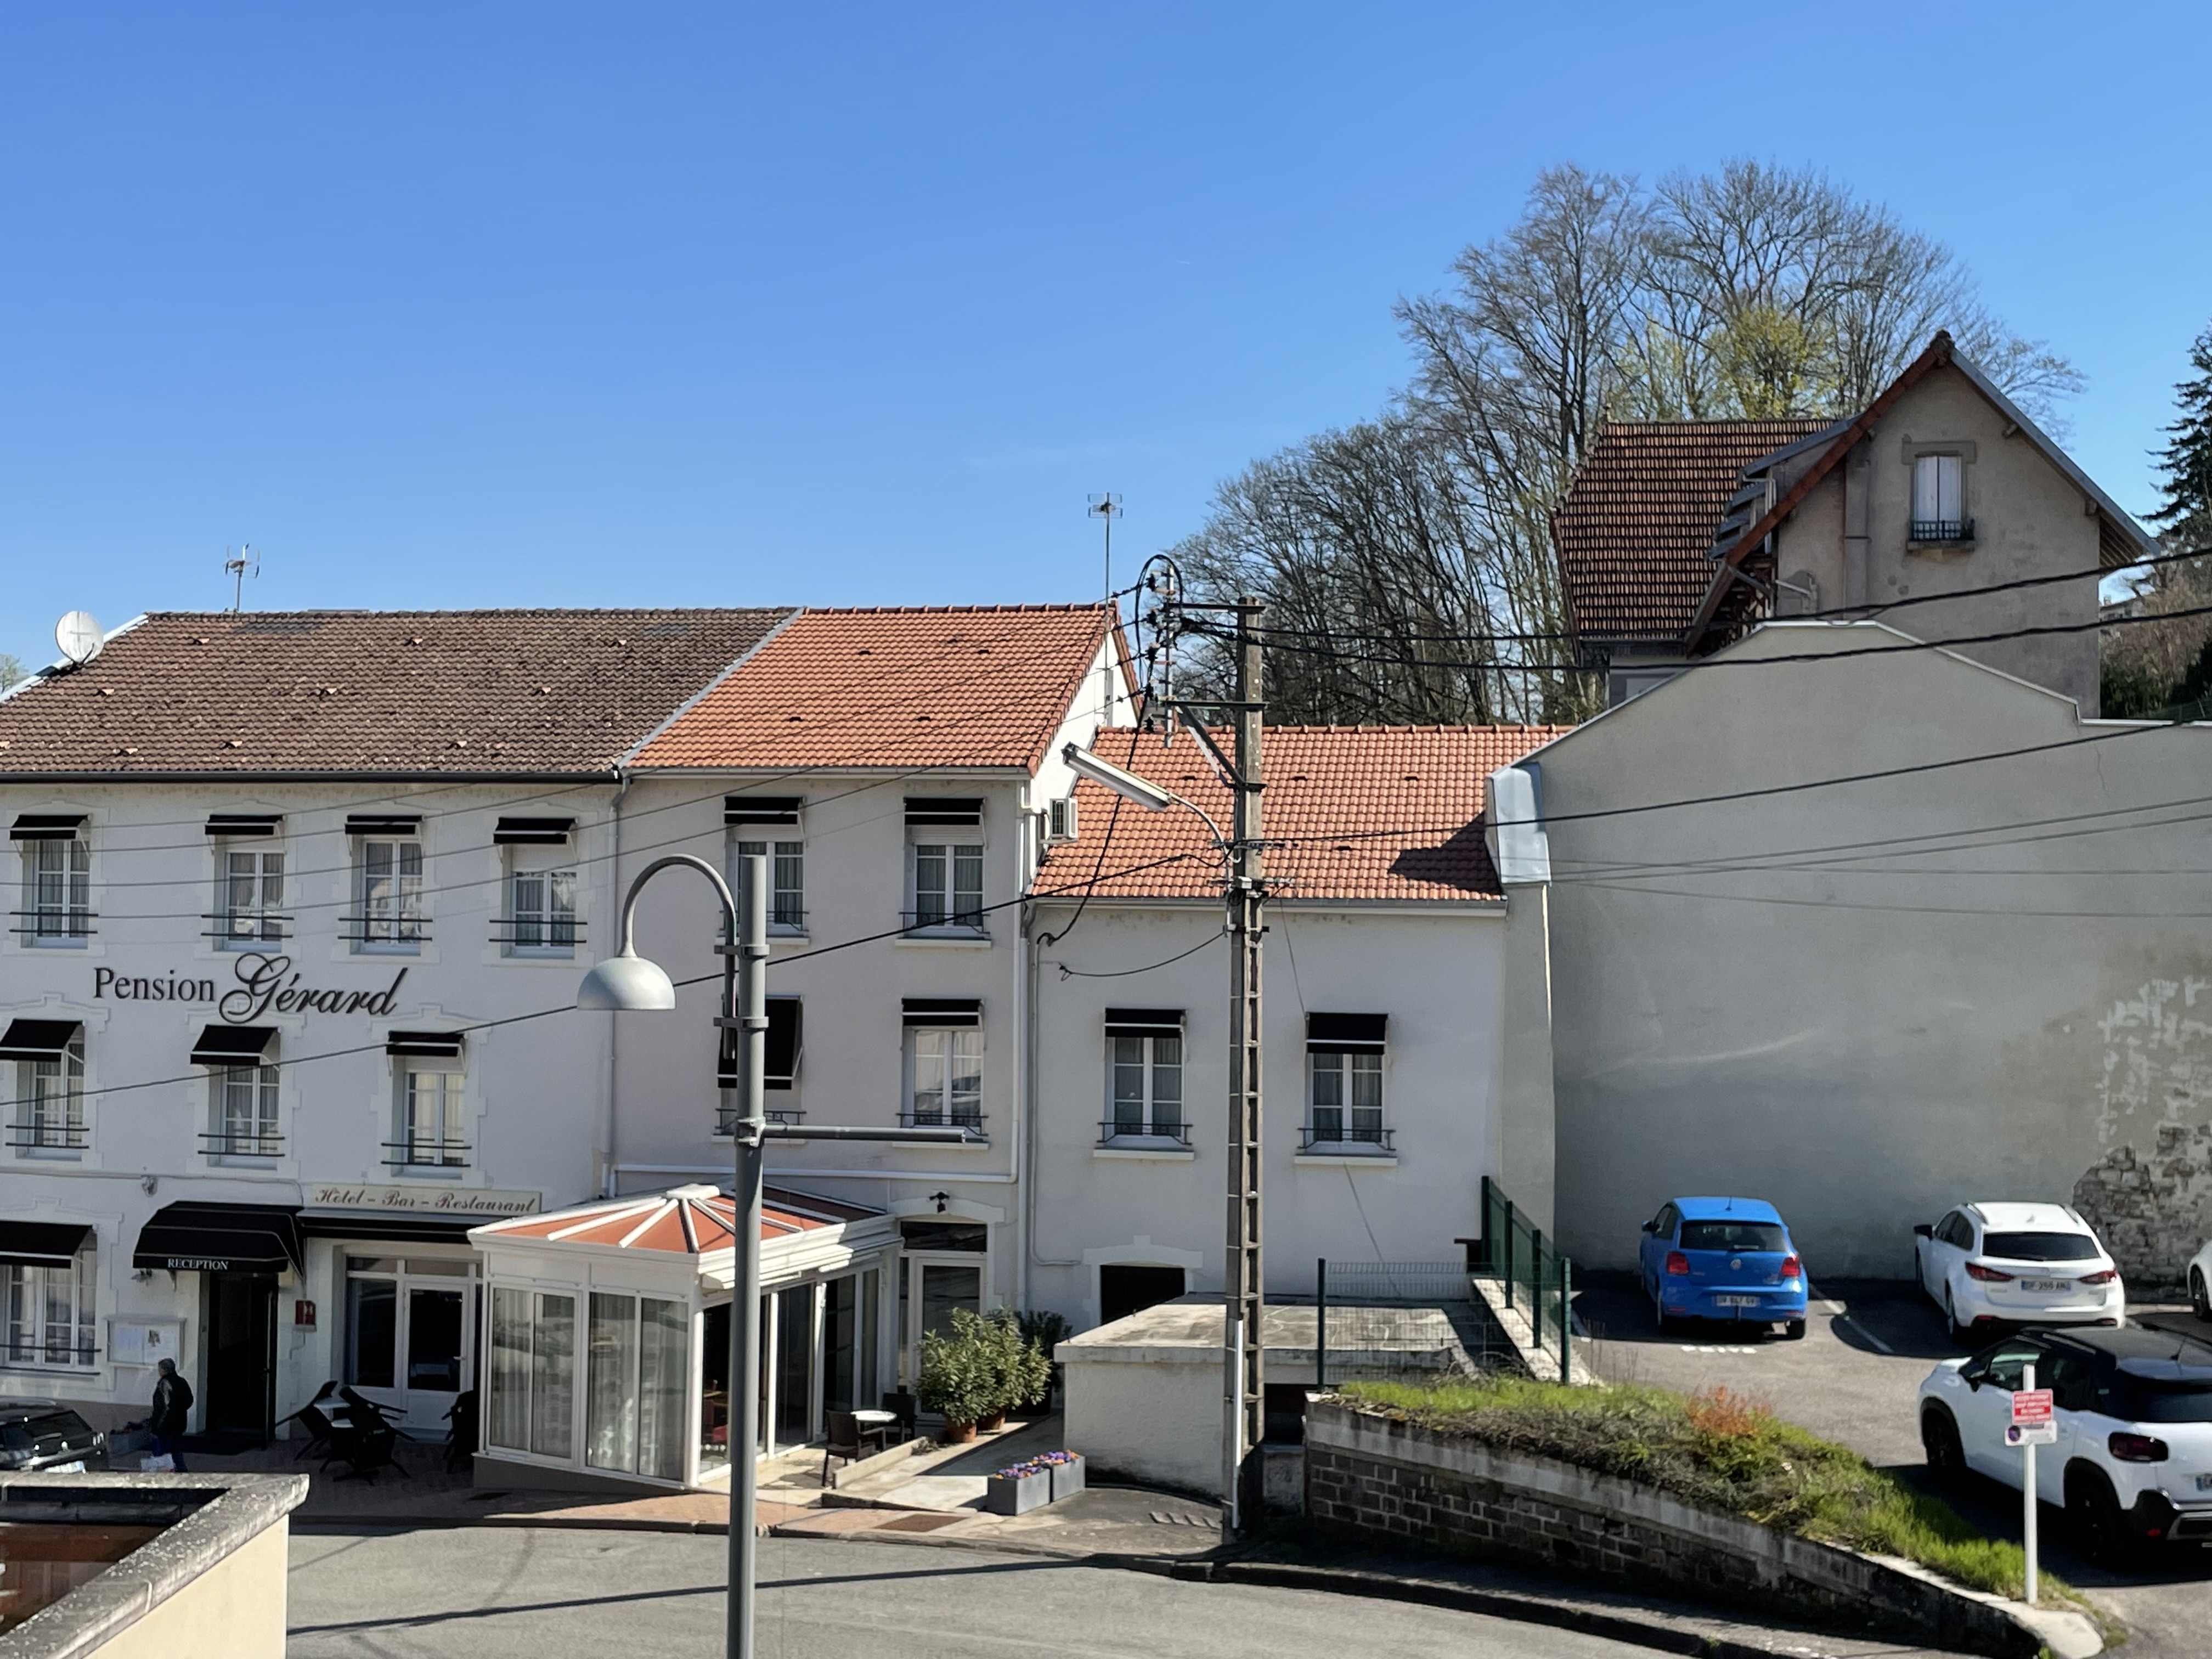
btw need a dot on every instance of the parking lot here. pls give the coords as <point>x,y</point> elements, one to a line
<point>1855,1377</point>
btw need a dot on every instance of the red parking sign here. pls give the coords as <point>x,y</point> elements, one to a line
<point>2031,1405</point>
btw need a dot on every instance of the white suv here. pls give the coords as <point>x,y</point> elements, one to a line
<point>2133,1460</point>
<point>2200,1282</point>
<point>1987,1265</point>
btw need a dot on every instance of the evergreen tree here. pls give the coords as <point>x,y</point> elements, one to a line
<point>2186,516</point>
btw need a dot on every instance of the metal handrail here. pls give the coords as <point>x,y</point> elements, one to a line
<point>52,1136</point>
<point>76,919</point>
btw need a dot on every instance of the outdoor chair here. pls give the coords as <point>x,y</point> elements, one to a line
<point>844,1441</point>
<point>319,1429</point>
<point>907,1409</point>
<point>366,1449</point>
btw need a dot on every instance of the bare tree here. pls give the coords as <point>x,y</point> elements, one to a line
<point>1414,550</point>
<point>11,670</point>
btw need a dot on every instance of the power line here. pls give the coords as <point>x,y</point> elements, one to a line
<point>1067,973</point>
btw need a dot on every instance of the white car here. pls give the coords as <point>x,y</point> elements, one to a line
<point>2132,1463</point>
<point>1990,1264</point>
<point>2200,1282</point>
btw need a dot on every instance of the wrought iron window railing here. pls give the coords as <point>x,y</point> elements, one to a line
<point>1118,1129</point>
<point>966,924</point>
<point>1328,1138</point>
<point>931,1117</point>
<point>1942,530</point>
<point>385,929</point>
<point>726,1117</point>
<point>242,1143</point>
<point>538,933</point>
<point>48,1353</point>
<point>426,1152</point>
<point>49,1137</point>
<point>248,927</point>
<point>54,922</point>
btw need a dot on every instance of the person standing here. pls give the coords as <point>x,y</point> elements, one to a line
<point>172,1408</point>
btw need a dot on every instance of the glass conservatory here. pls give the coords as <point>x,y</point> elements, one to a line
<point>607,1335</point>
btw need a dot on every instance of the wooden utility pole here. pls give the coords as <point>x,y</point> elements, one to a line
<point>1244,1346</point>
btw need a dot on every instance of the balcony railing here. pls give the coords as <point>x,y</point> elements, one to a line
<point>1942,530</point>
<point>931,1118</point>
<point>1115,1131</point>
<point>1335,1140</point>
<point>242,1143</point>
<point>426,1152</point>
<point>48,1353</point>
<point>54,922</point>
<point>537,932</point>
<point>49,1137</point>
<point>385,930</point>
<point>248,927</point>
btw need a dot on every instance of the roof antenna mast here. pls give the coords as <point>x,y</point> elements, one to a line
<point>1107,508</point>
<point>239,566</point>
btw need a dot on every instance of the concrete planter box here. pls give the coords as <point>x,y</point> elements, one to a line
<point>1066,1478</point>
<point>1019,1495</point>
<point>1381,1475</point>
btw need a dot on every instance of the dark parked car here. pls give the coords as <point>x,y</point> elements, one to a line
<point>37,1435</point>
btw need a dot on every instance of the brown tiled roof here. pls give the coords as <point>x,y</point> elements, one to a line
<point>381,692</point>
<point>1634,529</point>
<point>1407,801</point>
<point>957,686</point>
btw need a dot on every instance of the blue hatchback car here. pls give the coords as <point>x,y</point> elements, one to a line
<point>1723,1258</point>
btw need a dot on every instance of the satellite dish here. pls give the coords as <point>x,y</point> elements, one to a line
<point>79,637</point>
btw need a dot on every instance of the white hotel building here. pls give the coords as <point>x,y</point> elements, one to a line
<point>304,898</point>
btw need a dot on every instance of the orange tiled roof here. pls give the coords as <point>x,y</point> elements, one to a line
<point>682,1221</point>
<point>960,686</point>
<point>1407,801</point>
<point>386,692</point>
<point>1635,528</point>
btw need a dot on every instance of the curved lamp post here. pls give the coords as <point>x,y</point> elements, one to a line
<point>627,982</point>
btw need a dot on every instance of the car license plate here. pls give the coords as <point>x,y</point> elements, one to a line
<point>76,1468</point>
<point>1735,1302</point>
<point>2204,1483</point>
<point>2046,1287</point>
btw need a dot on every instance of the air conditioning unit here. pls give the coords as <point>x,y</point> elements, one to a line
<point>1060,820</point>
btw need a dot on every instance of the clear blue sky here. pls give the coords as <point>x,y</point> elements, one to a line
<point>551,304</point>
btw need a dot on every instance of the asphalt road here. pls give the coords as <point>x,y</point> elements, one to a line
<point>543,1594</point>
<point>1855,1377</point>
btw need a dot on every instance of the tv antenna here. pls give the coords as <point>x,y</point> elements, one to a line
<point>79,637</point>
<point>1107,507</point>
<point>239,566</point>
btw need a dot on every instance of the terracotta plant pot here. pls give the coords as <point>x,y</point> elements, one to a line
<point>992,1424</point>
<point>957,1434</point>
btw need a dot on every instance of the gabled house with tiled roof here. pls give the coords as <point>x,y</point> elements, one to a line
<point>1392,966</point>
<point>1679,537</point>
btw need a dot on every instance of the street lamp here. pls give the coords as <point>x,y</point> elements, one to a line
<point>1152,797</point>
<point>629,983</point>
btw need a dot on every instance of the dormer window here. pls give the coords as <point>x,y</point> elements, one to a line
<point>1939,500</point>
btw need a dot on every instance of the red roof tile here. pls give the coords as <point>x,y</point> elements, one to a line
<point>384,692</point>
<point>1634,529</point>
<point>1407,801</point>
<point>959,686</point>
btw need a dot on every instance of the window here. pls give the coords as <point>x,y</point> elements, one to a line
<point>244,1110</point>
<point>1344,1073</point>
<point>1939,499</point>
<point>946,1069</point>
<point>780,1061</point>
<point>432,1121</point>
<point>948,885</point>
<point>57,889</point>
<point>635,1370</point>
<point>390,883</point>
<point>787,878</point>
<point>2039,1246</point>
<point>1144,1073</point>
<point>51,1312</point>
<point>544,913</point>
<point>533,1354</point>
<point>50,1100</point>
<point>1754,1235</point>
<point>249,898</point>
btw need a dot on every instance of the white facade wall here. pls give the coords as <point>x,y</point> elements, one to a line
<point>1437,970</point>
<point>1870,1002</point>
<point>532,1091</point>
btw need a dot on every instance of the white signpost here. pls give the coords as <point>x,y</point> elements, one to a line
<point>2033,1426</point>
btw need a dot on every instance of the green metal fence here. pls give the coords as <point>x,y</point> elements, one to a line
<point>1536,1279</point>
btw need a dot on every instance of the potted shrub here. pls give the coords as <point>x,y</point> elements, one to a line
<point>1020,1367</point>
<point>958,1377</point>
<point>1046,1330</point>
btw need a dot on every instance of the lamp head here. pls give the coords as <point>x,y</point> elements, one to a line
<point>627,984</point>
<point>1127,785</point>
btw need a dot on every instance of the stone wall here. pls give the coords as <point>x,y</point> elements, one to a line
<point>1377,1475</point>
<point>2153,1212</point>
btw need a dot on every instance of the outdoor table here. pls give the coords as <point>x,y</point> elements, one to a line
<point>875,1422</point>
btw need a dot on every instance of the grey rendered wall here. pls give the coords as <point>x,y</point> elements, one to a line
<point>1871,1001</point>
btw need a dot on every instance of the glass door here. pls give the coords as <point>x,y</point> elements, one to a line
<point>411,1335</point>
<point>932,1290</point>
